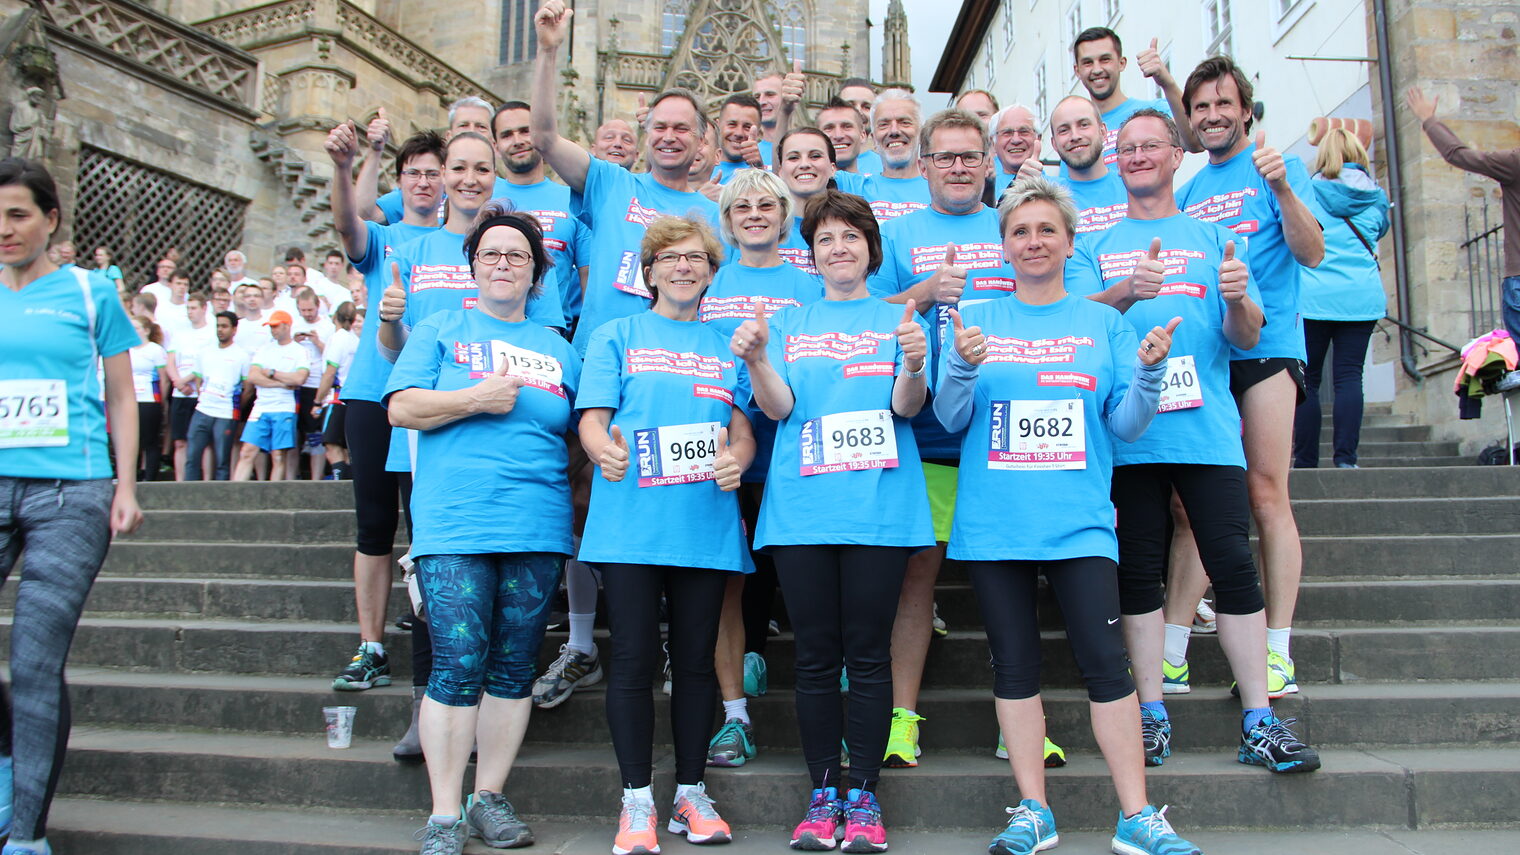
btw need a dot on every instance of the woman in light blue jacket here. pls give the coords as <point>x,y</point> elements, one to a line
<point>1343,297</point>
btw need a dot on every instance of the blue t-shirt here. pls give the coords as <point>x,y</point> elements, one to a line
<point>726,168</point>
<point>730,301</point>
<point>890,198</point>
<point>49,383</point>
<point>1183,432</point>
<point>673,384</point>
<point>1234,195</point>
<point>1100,202</point>
<point>795,251</point>
<point>369,371</point>
<point>619,205</point>
<point>839,357</point>
<point>847,182</point>
<point>491,483</point>
<point>868,162</point>
<point>1075,351</point>
<point>912,248</point>
<point>566,238</point>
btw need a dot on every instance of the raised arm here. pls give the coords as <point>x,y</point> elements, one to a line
<point>1151,66</point>
<point>367,184</point>
<point>1302,231</point>
<point>568,160</point>
<point>342,145</point>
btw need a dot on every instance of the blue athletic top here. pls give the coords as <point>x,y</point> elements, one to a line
<point>566,238</point>
<point>1039,418</point>
<point>890,197</point>
<point>619,205</point>
<point>730,301</point>
<point>672,385</point>
<point>491,483</point>
<point>1100,202</point>
<point>1234,195</point>
<point>841,357</point>
<point>1200,423</point>
<point>370,370</point>
<point>52,405</point>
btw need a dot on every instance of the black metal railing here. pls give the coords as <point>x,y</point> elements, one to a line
<point>1484,245</point>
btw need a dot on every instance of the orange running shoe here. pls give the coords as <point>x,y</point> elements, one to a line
<point>636,829</point>
<point>695,816</point>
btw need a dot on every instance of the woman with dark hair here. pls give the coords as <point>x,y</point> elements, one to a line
<point>755,214</point>
<point>805,163</point>
<point>846,503</point>
<point>150,382</point>
<point>660,420</point>
<point>488,393</point>
<point>58,508</point>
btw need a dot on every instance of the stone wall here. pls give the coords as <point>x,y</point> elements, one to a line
<point>1465,53</point>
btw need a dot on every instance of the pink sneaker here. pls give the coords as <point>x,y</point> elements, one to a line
<point>817,830</point>
<point>863,831</point>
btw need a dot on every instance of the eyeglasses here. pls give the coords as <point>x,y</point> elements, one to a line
<point>1149,147</point>
<point>946,159</point>
<point>1017,132</point>
<point>493,257</point>
<point>414,174</point>
<point>743,209</point>
<point>695,259</point>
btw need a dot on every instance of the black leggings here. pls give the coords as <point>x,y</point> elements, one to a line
<point>378,494</point>
<point>1087,590</point>
<point>759,600</point>
<point>842,601</point>
<point>150,437</point>
<point>695,598</point>
<point>1219,513</point>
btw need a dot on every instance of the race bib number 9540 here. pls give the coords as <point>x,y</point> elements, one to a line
<point>1180,389</point>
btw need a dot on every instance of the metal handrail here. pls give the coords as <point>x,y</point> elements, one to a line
<point>1422,334</point>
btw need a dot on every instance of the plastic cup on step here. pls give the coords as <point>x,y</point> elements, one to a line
<point>340,726</point>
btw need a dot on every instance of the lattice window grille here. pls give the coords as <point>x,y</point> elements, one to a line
<point>139,212</point>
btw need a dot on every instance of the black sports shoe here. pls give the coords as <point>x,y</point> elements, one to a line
<point>1156,736</point>
<point>1271,744</point>
<point>366,670</point>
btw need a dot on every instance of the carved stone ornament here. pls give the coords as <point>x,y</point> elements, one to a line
<point>727,44</point>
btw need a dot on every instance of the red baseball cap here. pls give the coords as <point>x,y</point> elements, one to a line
<point>279,317</point>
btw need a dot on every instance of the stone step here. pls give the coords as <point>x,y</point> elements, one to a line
<point>1408,462</point>
<point>330,561</point>
<point>247,495</point>
<point>1427,482</point>
<point>1388,787</point>
<point>1393,448</point>
<point>249,525</point>
<point>1342,517</point>
<point>1381,432</point>
<point>146,828</point>
<point>1359,714</point>
<point>236,599</point>
<point>959,661</point>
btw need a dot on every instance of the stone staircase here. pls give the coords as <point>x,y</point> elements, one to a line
<point>203,662</point>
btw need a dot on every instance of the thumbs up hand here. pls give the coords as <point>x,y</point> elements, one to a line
<point>1233,275</point>
<point>752,336</point>
<point>1150,273</point>
<point>969,341</point>
<point>496,392</point>
<point>342,144</point>
<point>749,152</point>
<point>911,339</point>
<point>1158,343</point>
<point>614,456</point>
<point>792,87</point>
<point>1269,163</point>
<point>948,282</point>
<point>641,113</point>
<point>1149,60</point>
<point>379,131</point>
<point>393,301</point>
<point>726,469</point>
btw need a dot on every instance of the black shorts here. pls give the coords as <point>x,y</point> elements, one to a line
<point>306,423</point>
<point>180,411</point>
<point>333,426</point>
<point>1245,373</point>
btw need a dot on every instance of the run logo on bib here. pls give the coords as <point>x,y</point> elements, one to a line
<point>848,442</point>
<point>531,367</point>
<point>1037,435</point>
<point>676,454</point>
<point>630,276</point>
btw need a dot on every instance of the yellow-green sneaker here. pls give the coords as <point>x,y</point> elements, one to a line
<point>902,741</point>
<point>1055,756</point>
<point>1280,676</point>
<point>1174,678</point>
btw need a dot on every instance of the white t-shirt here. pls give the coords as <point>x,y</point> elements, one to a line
<point>340,352</point>
<point>147,358</point>
<point>331,293</point>
<point>184,344</point>
<point>324,328</point>
<point>159,290</point>
<point>222,370</point>
<point>252,334</point>
<point>277,357</point>
<point>171,317</point>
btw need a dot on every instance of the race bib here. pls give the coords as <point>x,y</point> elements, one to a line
<point>676,454</point>
<point>845,442</point>
<point>143,386</point>
<point>33,413</point>
<point>1180,389</point>
<point>630,276</point>
<point>531,367</point>
<point>1037,435</point>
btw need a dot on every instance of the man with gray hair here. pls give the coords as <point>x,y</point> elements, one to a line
<point>1016,142</point>
<point>237,269</point>
<point>471,113</point>
<point>900,187</point>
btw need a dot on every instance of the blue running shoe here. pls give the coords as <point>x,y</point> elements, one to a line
<point>39,847</point>
<point>1271,744</point>
<point>755,680</point>
<point>733,744</point>
<point>1156,736</point>
<point>1148,833</point>
<point>1031,828</point>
